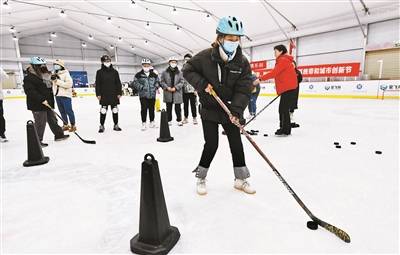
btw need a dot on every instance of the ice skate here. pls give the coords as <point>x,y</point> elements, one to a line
<point>244,185</point>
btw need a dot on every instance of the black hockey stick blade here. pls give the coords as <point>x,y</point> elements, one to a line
<point>334,230</point>
<point>85,141</point>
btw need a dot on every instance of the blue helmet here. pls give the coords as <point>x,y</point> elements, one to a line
<point>230,26</point>
<point>37,61</point>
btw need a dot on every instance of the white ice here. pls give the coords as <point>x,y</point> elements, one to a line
<point>86,199</point>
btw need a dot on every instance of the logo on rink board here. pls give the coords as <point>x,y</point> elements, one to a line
<point>359,86</point>
<point>389,87</point>
<point>333,87</point>
<point>311,86</point>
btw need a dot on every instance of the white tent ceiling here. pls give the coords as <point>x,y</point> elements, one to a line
<point>196,30</point>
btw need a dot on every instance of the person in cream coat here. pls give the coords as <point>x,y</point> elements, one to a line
<point>62,89</point>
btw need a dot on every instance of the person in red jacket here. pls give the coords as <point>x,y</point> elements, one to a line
<point>285,83</point>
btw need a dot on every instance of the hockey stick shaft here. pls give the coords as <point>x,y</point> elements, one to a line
<point>65,123</point>
<point>338,232</point>
<point>258,113</point>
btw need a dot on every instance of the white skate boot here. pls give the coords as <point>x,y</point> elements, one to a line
<point>244,185</point>
<point>143,126</point>
<point>152,124</point>
<point>201,186</point>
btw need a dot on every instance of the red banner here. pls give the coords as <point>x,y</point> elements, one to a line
<point>326,70</point>
<point>257,65</point>
<point>331,70</point>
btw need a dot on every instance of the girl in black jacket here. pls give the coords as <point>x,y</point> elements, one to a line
<point>108,91</point>
<point>226,70</point>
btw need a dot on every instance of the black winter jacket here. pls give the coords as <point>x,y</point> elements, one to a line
<point>234,88</point>
<point>36,92</point>
<point>108,85</point>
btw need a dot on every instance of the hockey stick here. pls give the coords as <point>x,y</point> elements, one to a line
<point>258,113</point>
<point>334,230</point>
<point>65,123</point>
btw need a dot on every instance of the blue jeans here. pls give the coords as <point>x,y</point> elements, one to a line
<point>64,105</point>
<point>253,102</point>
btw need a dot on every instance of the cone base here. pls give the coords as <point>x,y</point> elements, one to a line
<point>151,249</point>
<point>164,140</point>
<point>42,161</point>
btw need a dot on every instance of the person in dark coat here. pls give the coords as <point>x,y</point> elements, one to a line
<point>146,82</point>
<point>296,99</point>
<point>108,91</point>
<point>286,85</point>
<point>226,70</point>
<point>40,99</point>
<point>189,98</point>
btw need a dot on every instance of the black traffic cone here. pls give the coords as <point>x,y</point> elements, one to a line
<point>35,153</point>
<point>165,135</point>
<point>156,235</point>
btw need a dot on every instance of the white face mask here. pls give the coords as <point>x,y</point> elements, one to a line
<point>57,67</point>
<point>107,64</point>
<point>146,69</point>
<point>173,65</point>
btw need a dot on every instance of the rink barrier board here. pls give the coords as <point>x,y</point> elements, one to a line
<point>339,89</point>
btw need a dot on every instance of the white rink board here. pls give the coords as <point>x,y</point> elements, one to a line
<point>340,89</point>
<point>343,89</point>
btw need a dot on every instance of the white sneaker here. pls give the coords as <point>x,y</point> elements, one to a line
<point>195,121</point>
<point>180,123</point>
<point>185,121</point>
<point>169,123</point>
<point>152,124</point>
<point>143,126</point>
<point>244,185</point>
<point>201,186</point>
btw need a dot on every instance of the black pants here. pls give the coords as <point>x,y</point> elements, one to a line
<point>41,117</point>
<point>210,131</point>
<point>189,97</point>
<point>2,120</point>
<point>103,115</point>
<point>178,112</point>
<point>147,104</point>
<point>287,99</point>
<point>295,100</point>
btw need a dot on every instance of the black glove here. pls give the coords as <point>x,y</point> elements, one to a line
<point>54,77</point>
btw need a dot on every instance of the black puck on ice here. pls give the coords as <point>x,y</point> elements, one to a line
<point>336,143</point>
<point>338,146</point>
<point>312,225</point>
<point>353,143</point>
<point>378,152</point>
<point>265,134</point>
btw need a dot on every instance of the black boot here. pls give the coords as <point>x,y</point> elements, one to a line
<point>294,125</point>
<point>280,132</point>
<point>101,129</point>
<point>117,128</point>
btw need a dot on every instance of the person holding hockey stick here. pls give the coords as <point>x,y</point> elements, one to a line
<point>224,68</point>
<point>286,84</point>
<point>40,97</point>
<point>108,91</point>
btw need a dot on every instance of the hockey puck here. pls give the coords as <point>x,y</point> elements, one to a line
<point>265,134</point>
<point>378,152</point>
<point>353,143</point>
<point>312,225</point>
<point>338,146</point>
<point>336,143</point>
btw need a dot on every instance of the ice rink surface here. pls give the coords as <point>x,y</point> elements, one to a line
<point>86,199</point>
